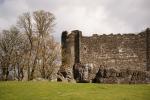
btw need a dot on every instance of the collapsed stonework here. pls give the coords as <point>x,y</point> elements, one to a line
<point>91,58</point>
<point>85,74</point>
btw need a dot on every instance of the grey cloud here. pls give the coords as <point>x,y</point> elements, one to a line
<point>10,10</point>
<point>134,13</point>
<point>89,16</point>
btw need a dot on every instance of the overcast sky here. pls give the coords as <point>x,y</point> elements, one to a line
<point>89,16</point>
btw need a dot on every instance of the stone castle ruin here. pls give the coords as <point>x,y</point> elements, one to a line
<point>91,58</point>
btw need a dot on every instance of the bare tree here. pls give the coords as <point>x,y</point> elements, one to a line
<point>31,47</point>
<point>11,50</point>
<point>25,23</point>
<point>43,25</point>
<point>38,30</point>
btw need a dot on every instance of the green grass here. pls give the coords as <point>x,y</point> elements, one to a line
<point>70,91</point>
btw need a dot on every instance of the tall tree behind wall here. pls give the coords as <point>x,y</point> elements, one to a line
<point>42,53</point>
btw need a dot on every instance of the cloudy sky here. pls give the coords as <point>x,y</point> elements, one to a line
<point>89,16</point>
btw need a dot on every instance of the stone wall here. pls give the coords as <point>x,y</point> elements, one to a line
<point>70,48</point>
<point>67,42</point>
<point>117,51</point>
<point>126,51</point>
<point>148,48</point>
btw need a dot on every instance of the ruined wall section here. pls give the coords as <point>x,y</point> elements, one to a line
<point>70,48</point>
<point>148,48</point>
<point>67,49</point>
<point>117,51</point>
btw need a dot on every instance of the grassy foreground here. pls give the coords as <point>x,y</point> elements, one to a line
<point>70,91</point>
